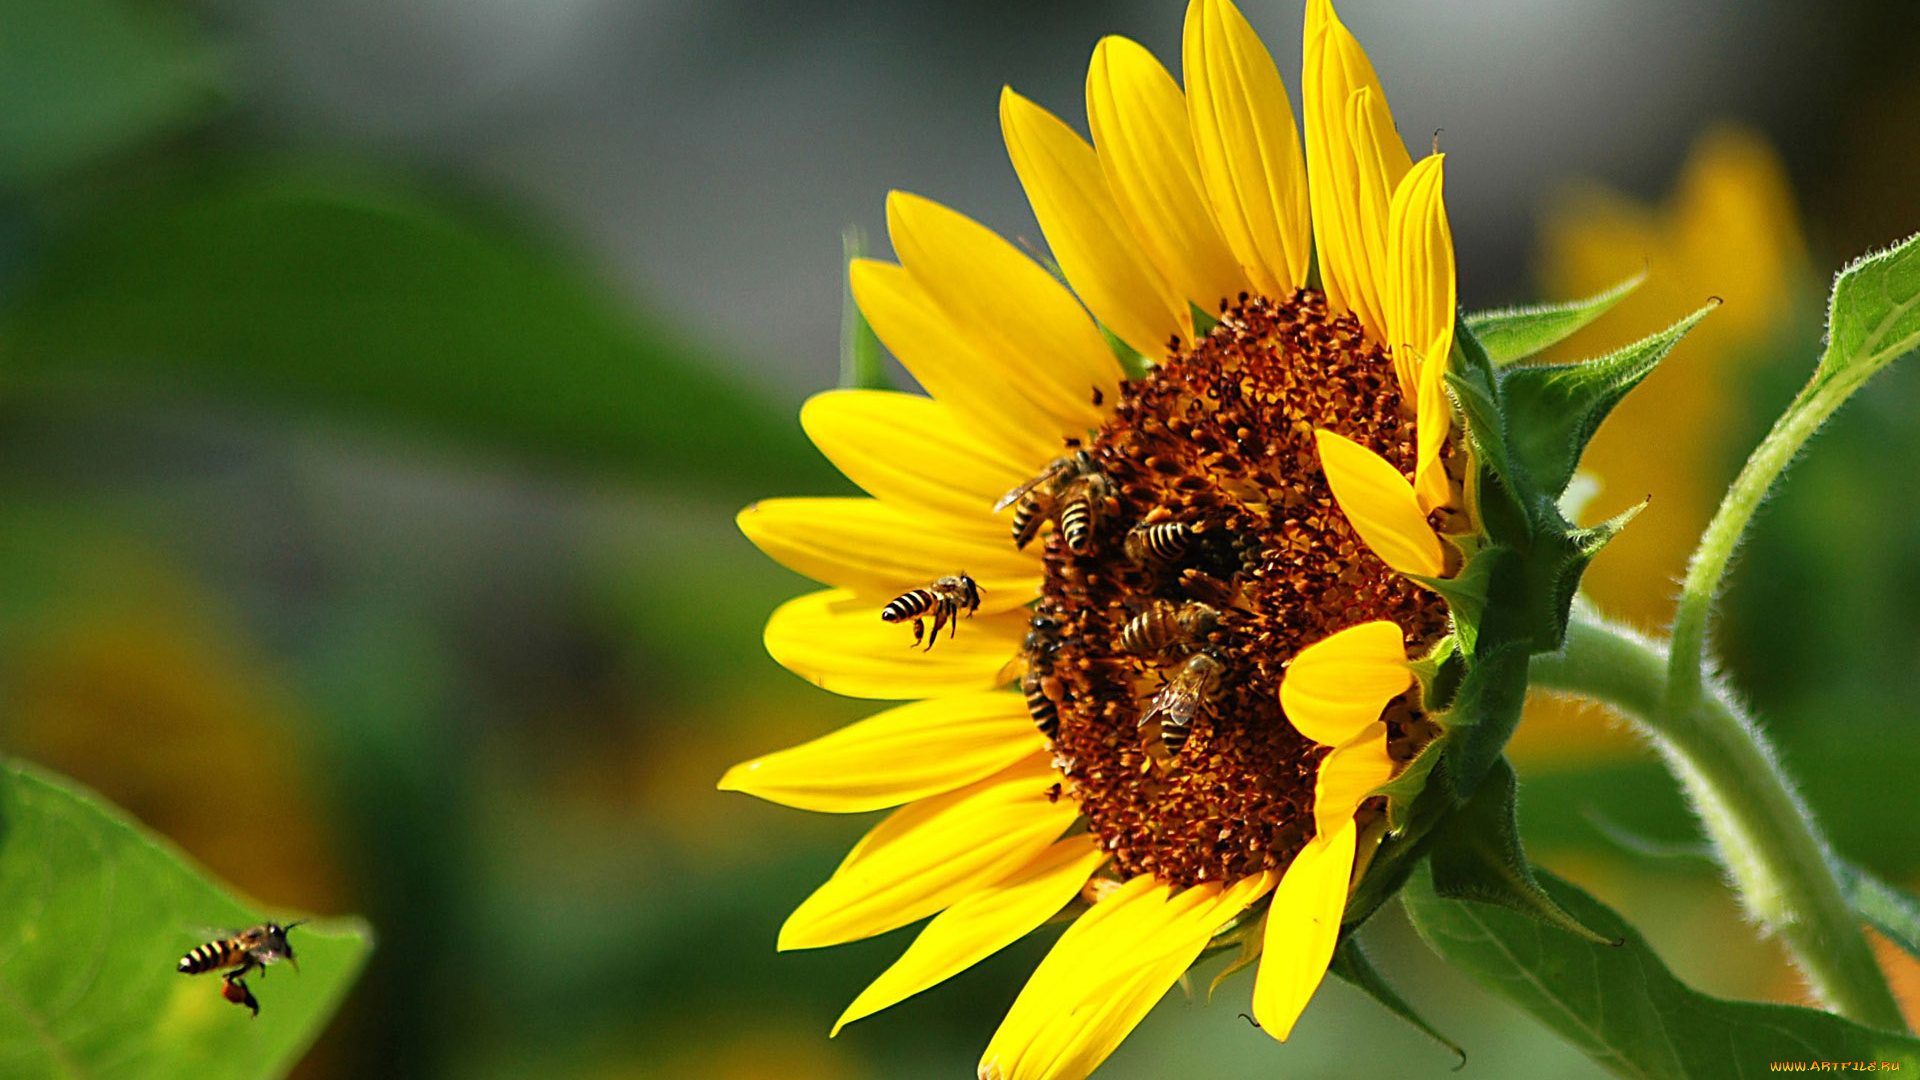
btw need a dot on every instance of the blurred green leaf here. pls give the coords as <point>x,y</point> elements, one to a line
<point>95,912</point>
<point>1511,334</point>
<point>1620,1004</point>
<point>83,78</point>
<point>1875,317</point>
<point>367,303</point>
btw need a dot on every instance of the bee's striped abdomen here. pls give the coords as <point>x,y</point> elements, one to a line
<point>1174,735</point>
<point>1150,631</point>
<point>1160,543</point>
<point>909,604</point>
<point>1076,525</point>
<point>1027,519</point>
<point>1046,715</point>
<point>214,954</point>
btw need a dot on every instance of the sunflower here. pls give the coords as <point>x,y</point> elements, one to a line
<point>1224,645</point>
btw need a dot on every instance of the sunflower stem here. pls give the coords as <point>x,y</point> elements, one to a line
<point>1762,833</point>
<point>1686,662</point>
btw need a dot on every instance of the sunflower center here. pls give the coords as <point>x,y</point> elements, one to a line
<point>1219,554</point>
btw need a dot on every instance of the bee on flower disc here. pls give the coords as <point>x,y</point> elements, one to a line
<point>1178,702</point>
<point>1164,626</point>
<point>1071,490</point>
<point>944,600</point>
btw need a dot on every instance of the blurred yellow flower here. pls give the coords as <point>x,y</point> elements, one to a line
<point>1729,230</point>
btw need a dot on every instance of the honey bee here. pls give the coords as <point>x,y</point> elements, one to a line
<point>945,600</point>
<point>255,947</point>
<point>1163,626</point>
<point>1071,489</point>
<point>1178,702</point>
<point>1158,543</point>
<point>1042,688</point>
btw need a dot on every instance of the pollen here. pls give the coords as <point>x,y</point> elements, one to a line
<point>1219,439</point>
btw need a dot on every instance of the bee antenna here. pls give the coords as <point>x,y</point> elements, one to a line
<point>295,923</point>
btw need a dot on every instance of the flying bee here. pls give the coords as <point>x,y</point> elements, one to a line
<point>1163,626</point>
<point>1178,702</point>
<point>1071,489</point>
<point>1158,543</point>
<point>945,600</point>
<point>255,947</point>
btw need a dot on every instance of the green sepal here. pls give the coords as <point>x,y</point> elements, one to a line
<point>1423,807</point>
<point>1476,855</point>
<point>1575,549</point>
<point>1438,673</point>
<point>1552,410</point>
<point>1133,364</point>
<point>1350,963</point>
<point>1466,593</point>
<point>1475,389</point>
<point>1482,716</point>
<point>1517,333</point>
<point>1403,791</point>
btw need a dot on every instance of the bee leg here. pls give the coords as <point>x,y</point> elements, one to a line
<point>939,620</point>
<point>919,630</point>
<point>234,989</point>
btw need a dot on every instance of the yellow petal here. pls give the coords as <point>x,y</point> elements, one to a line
<point>876,548</point>
<point>835,639</point>
<point>1339,685</point>
<point>982,924</point>
<point>1420,311</point>
<point>926,856</point>
<point>911,452</point>
<point>984,399</point>
<point>1355,159</point>
<point>912,752</point>
<point>1303,925</point>
<point>1097,252</point>
<point>1025,327</point>
<point>1380,505</point>
<point>1140,129</point>
<point>1106,973</point>
<point>1247,146</point>
<point>1348,775</point>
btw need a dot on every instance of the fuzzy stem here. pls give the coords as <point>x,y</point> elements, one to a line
<point>1764,835</point>
<point>1686,659</point>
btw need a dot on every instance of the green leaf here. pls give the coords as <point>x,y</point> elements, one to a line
<point>1350,963</point>
<point>1891,911</point>
<point>1620,1004</point>
<point>1875,314</point>
<point>95,912</point>
<point>1478,856</point>
<point>1516,333</point>
<point>362,302</point>
<point>81,79</point>
<point>1552,410</point>
<point>862,367</point>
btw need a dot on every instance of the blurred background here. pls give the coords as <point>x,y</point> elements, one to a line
<point>378,383</point>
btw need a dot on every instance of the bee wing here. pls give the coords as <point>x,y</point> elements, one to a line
<point>1020,491</point>
<point>209,933</point>
<point>1048,475</point>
